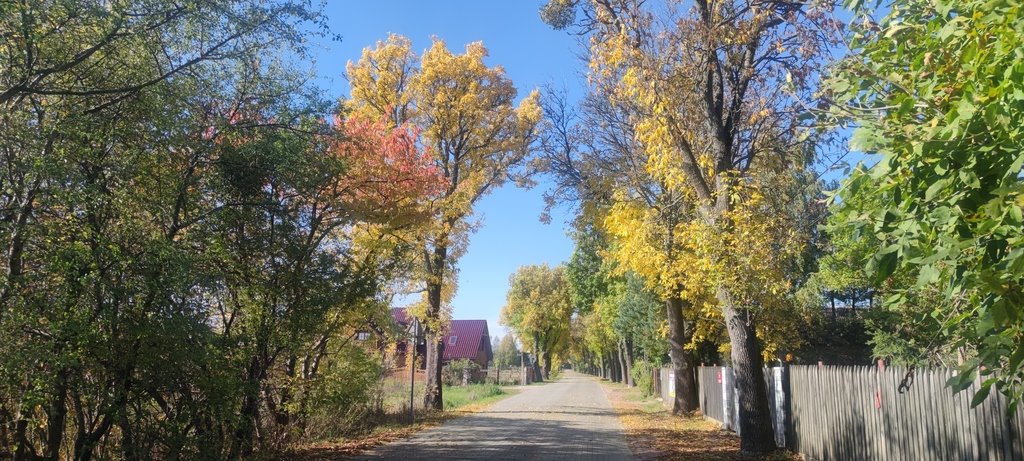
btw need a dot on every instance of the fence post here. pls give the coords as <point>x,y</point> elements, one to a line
<point>779,377</point>
<point>727,398</point>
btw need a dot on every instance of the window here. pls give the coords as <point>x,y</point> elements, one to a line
<point>453,340</point>
<point>362,335</point>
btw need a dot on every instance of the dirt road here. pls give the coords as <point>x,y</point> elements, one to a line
<point>567,420</point>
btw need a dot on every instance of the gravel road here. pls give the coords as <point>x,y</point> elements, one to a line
<point>567,420</point>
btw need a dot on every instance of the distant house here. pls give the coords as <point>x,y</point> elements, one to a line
<point>466,339</point>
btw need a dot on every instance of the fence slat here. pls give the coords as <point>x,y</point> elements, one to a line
<point>856,413</point>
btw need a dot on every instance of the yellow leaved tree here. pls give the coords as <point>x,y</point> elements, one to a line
<point>477,136</point>
<point>718,87</point>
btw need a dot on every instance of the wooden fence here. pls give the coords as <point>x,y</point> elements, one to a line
<point>709,385</point>
<point>858,413</point>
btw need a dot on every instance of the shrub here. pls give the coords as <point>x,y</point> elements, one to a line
<point>643,377</point>
<point>453,371</point>
<point>342,397</point>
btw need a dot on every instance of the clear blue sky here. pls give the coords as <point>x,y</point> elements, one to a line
<point>533,55</point>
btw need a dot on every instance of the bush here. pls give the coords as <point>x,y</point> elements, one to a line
<point>643,377</point>
<point>453,371</point>
<point>340,399</point>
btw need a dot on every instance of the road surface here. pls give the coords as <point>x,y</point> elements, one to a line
<point>567,420</point>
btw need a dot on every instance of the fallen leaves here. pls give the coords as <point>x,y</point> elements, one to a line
<point>653,433</point>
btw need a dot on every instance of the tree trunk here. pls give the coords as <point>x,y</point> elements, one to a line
<point>537,376</point>
<point>621,375</point>
<point>624,351</point>
<point>436,262</point>
<point>748,368</point>
<point>56,417</point>
<point>242,445</point>
<point>682,361</point>
<point>432,397</point>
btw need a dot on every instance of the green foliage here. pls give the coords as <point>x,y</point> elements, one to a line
<point>507,353</point>
<point>643,376</point>
<point>181,274</point>
<point>839,341</point>
<point>342,397</point>
<point>586,271</point>
<point>641,318</point>
<point>936,89</point>
<point>453,372</point>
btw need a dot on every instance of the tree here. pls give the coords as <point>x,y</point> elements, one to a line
<point>596,159</point>
<point>183,231</point>
<point>474,134</point>
<point>506,353</point>
<point>112,185</point>
<point>718,86</point>
<point>935,90</point>
<point>538,309</point>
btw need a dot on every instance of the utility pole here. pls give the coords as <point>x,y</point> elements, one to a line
<point>414,328</point>
<point>522,366</point>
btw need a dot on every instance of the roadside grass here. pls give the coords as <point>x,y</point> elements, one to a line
<point>393,423</point>
<point>653,433</point>
<point>459,397</point>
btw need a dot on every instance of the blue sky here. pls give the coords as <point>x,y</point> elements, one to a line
<point>533,55</point>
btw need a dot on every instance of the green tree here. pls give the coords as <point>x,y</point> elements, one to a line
<point>935,89</point>
<point>539,311</point>
<point>506,353</point>
<point>184,234</point>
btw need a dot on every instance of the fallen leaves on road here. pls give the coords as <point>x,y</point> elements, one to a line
<point>380,435</point>
<point>654,433</point>
<point>342,449</point>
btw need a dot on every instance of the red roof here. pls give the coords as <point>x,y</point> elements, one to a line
<point>470,336</point>
<point>401,315</point>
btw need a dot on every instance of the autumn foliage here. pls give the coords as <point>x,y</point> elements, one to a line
<point>387,171</point>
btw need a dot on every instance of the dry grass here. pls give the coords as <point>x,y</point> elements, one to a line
<point>379,435</point>
<point>654,433</point>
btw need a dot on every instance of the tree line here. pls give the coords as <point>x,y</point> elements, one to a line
<point>193,234</point>
<point>717,212</point>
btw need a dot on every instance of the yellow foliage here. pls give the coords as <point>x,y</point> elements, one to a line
<point>469,124</point>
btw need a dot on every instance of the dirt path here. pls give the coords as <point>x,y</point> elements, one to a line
<point>567,420</point>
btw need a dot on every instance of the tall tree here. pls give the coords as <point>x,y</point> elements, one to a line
<point>596,159</point>
<point>476,136</point>
<point>715,85</point>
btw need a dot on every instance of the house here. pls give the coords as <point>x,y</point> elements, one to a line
<point>465,339</point>
<point>468,339</point>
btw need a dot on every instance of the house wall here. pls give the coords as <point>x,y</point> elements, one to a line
<point>481,358</point>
